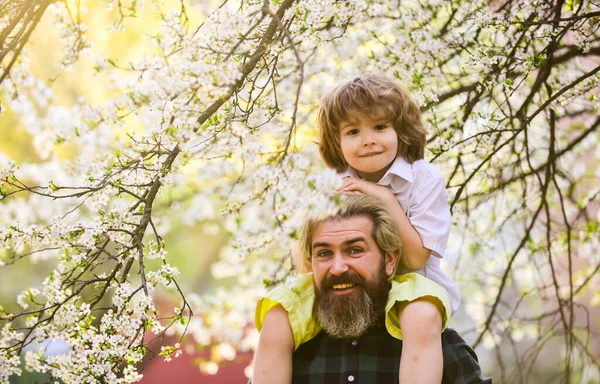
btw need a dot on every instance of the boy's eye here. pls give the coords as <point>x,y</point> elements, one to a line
<point>380,127</point>
<point>352,132</point>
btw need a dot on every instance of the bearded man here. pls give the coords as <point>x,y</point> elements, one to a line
<point>353,256</point>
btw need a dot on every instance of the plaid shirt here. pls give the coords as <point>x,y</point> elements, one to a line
<point>375,358</point>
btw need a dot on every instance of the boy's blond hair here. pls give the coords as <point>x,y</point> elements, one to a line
<point>385,230</point>
<point>376,96</point>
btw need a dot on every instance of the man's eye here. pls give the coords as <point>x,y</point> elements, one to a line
<point>323,253</point>
<point>355,251</point>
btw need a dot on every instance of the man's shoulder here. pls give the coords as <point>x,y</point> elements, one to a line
<point>454,343</point>
<point>461,364</point>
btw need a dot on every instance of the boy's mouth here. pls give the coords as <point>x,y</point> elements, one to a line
<point>370,154</point>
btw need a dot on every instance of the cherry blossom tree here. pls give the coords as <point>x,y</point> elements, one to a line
<point>215,125</point>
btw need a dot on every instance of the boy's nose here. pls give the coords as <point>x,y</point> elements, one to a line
<point>339,266</point>
<point>368,141</point>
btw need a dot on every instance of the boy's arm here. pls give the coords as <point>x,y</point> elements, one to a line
<point>422,360</point>
<point>414,254</point>
<point>273,360</point>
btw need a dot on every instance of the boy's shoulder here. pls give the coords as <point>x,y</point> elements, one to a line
<point>424,171</point>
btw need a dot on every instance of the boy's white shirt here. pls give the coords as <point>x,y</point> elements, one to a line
<point>420,189</point>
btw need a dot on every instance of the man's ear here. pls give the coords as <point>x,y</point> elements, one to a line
<point>391,261</point>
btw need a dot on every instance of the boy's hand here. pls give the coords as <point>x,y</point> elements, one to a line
<point>353,186</point>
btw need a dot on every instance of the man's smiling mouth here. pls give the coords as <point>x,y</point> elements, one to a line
<point>342,286</point>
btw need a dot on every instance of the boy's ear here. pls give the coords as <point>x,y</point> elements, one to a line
<point>391,261</point>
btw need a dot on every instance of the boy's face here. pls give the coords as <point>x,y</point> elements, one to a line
<point>369,145</point>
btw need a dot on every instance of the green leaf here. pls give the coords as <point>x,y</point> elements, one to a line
<point>417,78</point>
<point>75,234</point>
<point>294,234</point>
<point>592,226</point>
<point>53,186</point>
<point>171,131</point>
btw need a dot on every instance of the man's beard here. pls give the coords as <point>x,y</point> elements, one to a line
<point>350,315</point>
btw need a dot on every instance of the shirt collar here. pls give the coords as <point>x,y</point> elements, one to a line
<point>400,169</point>
<point>349,172</point>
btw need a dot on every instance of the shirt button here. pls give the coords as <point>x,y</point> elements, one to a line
<point>350,378</point>
<point>354,343</point>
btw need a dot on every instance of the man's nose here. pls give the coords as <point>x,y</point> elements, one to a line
<point>339,266</point>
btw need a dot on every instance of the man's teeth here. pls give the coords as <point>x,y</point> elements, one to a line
<point>343,286</point>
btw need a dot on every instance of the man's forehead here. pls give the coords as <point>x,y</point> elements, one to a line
<point>340,230</point>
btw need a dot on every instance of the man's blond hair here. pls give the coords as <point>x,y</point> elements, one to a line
<point>375,96</point>
<point>385,230</point>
